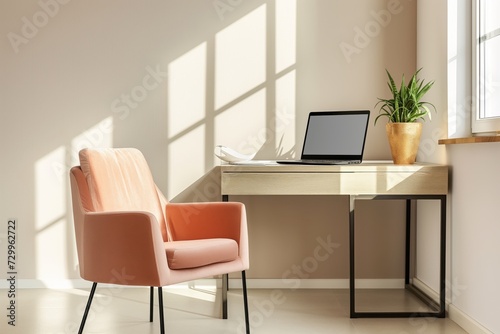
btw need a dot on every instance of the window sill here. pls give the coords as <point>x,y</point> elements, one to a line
<point>470,140</point>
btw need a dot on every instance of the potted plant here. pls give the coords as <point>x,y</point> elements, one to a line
<point>403,110</point>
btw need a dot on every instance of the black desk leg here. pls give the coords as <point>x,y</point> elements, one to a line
<point>439,310</point>
<point>225,279</point>
<point>442,274</point>
<point>408,242</point>
<point>352,294</point>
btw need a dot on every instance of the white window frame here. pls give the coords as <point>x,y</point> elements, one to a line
<point>479,125</point>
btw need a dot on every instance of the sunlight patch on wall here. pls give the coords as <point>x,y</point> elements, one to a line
<point>50,215</point>
<point>52,228</point>
<point>286,33</point>
<point>286,37</point>
<point>100,135</point>
<point>240,57</point>
<point>285,115</point>
<point>187,89</point>
<point>186,161</point>
<point>243,126</point>
<point>452,69</point>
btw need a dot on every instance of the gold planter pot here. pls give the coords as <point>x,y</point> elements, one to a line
<point>404,139</point>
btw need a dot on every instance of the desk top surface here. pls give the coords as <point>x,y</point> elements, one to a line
<point>366,166</point>
<point>368,178</point>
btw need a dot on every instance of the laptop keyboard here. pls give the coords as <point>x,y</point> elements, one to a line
<point>320,162</point>
<point>325,162</point>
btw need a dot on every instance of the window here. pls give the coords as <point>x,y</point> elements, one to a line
<point>486,46</point>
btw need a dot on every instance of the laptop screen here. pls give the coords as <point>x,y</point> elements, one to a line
<point>335,135</point>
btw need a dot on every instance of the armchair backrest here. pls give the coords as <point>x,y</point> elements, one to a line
<point>119,179</point>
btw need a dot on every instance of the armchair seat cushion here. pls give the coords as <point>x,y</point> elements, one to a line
<point>197,253</point>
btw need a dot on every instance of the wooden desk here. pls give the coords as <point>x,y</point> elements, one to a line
<point>374,181</point>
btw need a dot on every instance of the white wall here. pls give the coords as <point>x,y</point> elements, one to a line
<point>473,228</point>
<point>431,55</point>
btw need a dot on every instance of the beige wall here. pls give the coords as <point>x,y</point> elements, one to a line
<point>174,76</point>
<point>307,237</point>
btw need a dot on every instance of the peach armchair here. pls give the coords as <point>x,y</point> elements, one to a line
<point>127,233</point>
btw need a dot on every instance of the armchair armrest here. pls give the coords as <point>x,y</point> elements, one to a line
<point>123,248</point>
<point>190,221</point>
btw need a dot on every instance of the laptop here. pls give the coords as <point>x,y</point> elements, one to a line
<point>333,138</point>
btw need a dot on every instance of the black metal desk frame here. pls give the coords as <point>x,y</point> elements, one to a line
<point>439,306</point>
<point>370,180</point>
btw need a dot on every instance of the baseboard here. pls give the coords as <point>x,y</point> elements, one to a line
<point>234,283</point>
<point>82,284</point>
<point>47,284</point>
<point>428,291</point>
<point>317,283</point>
<point>470,325</point>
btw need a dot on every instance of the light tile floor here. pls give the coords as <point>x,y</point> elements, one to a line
<point>119,310</point>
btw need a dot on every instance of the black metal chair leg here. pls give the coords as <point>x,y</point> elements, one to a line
<point>160,306</point>
<point>245,300</point>
<point>87,308</point>
<point>225,287</point>
<point>151,296</point>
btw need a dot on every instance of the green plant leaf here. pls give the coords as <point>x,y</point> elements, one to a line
<point>405,104</point>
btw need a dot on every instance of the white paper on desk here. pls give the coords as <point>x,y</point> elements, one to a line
<point>229,155</point>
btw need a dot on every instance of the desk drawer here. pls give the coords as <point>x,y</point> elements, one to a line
<point>362,183</point>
